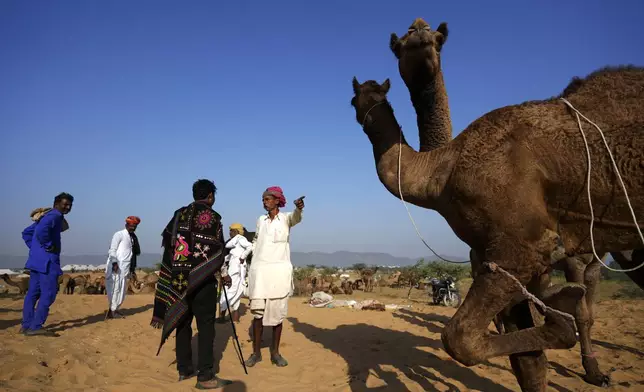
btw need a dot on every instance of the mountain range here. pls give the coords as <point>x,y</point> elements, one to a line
<point>336,259</point>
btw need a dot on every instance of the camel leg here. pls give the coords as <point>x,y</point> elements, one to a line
<point>475,263</point>
<point>585,320</point>
<point>530,368</point>
<point>632,259</point>
<point>467,340</point>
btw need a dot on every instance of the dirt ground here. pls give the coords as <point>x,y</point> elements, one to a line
<point>336,349</point>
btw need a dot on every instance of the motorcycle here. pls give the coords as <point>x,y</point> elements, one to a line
<point>444,291</point>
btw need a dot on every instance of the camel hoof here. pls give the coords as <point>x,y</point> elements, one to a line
<point>600,380</point>
<point>593,375</point>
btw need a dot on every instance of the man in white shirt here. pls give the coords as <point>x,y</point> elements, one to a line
<point>270,278</point>
<point>121,263</point>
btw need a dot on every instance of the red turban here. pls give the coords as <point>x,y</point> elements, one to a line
<point>133,220</point>
<point>277,193</point>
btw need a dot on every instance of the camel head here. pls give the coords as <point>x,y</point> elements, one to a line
<point>366,96</point>
<point>418,52</point>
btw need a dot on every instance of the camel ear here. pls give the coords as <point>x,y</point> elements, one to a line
<point>356,86</point>
<point>385,86</point>
<point>440,39</point>
<point>394,45</point>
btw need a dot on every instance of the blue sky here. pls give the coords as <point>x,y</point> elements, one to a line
<point>125,103</point>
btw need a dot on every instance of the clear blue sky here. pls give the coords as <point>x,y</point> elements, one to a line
<point>125,103</point>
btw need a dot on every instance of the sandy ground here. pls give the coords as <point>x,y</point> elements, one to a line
<point>328,349</point>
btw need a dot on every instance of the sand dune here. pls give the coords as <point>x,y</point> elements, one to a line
<point>328,350</point>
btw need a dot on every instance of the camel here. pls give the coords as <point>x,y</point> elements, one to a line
<point>366,275</point>
<point>347,287</point>
<point>81,282</point>
<point>66,282</point>
<point>145,285</point>
<point>533,150</point>
<point>22,283</point>
<point>99,283</point>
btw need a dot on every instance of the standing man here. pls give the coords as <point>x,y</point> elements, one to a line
<point>44,266</point>
<point>239,248</point>
<point>121,263</point>
<point>270,278</point>
<point>193,244</point>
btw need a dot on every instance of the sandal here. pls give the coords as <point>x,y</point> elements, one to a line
<point>278,360</point>
<point>253,360</point>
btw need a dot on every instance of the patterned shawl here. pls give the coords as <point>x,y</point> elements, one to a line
<point>193,252</point>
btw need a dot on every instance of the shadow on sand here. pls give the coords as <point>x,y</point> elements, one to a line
<point>89,320</point>
<point>435,324</point>
<point>398,349</point>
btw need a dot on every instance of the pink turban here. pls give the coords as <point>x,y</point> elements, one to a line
<point>277,193</point>
<point>133,220</point>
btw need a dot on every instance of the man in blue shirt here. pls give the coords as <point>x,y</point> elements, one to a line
<point>43,240</point>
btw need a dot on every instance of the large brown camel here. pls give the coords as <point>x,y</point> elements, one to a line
<point>21,283</point>
<point>533,150</point>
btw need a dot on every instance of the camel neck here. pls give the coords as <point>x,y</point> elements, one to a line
<point>432,113</point>
<point>423,174</point>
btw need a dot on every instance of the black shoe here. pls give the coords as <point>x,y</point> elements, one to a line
<point>23,330</point>
<point>40,332</point>
<point>213,383</point>
<point>253,360</point>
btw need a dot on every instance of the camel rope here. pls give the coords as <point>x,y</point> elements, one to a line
<point>495,267</point>
<point>578,114</point>
<point>401,195</point>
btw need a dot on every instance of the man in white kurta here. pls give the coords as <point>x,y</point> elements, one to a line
<point>270,277</point>
<point>239,248</point>
<point>121,262</point>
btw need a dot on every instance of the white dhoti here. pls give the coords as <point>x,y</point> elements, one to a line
<point>270,286</point>
<point>271,311</point>
<point>116,288</point>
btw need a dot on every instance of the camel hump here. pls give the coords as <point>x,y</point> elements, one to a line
<point>621,77</point>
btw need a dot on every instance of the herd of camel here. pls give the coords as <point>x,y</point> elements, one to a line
<point>521,185</point>
<point>140,283</point>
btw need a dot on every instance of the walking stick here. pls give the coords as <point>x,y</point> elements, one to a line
<point>241,355</point>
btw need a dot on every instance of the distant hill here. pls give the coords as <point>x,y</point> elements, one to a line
<point>337,259</point>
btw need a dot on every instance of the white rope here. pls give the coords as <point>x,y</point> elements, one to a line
<point>401,195</point>
<point>619,177</point>
<point>494,267</point>
<point>407,208</point>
